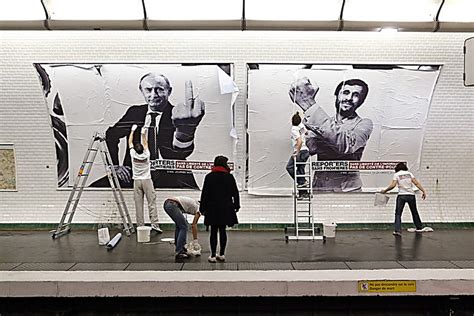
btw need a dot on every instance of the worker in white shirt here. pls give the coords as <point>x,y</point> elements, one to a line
<point>300,154</point>
<point>142,183</point>
<point>405,180</point>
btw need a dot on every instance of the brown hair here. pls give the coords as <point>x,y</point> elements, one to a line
<point>401,166</point>
<point>138,148</point>
<point>296,119</point>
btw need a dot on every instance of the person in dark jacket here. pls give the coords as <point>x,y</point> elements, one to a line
<point>220,203</point>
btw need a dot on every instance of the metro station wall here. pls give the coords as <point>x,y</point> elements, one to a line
<point>446,168</point>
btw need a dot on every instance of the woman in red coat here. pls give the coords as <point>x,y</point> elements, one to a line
<point>219,204</point>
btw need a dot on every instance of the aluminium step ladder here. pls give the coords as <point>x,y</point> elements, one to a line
<point>304,228</point>
<point>97,145</point>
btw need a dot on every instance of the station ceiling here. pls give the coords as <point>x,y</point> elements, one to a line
<point>312,15</point>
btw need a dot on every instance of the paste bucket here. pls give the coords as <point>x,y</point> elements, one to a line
<point>104,236</point>
<point>329,230</point>
<point>143,233</point>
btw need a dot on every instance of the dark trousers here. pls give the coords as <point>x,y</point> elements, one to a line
<point>173,209</point>
<point>302,156</point>
<point>222,239</point>
<point>411,200</point>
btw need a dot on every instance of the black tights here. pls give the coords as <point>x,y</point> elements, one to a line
<point>222,239</point>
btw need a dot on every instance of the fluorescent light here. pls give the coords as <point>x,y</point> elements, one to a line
<point>391,10</point>
<point>21,10</point>
<point>388,30</point>
<point>203,10</point>
<point>294,10</point>
<point>88,10</point>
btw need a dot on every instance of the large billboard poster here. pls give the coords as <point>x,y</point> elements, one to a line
<point>360,121</point>
<point>188,110</point>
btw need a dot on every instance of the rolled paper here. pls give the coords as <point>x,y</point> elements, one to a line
<point>114,241</point>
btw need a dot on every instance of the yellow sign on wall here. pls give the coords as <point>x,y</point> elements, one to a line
<point>386,286</point>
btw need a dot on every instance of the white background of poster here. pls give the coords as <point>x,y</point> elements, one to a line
<point>397,103</point>
<point>93,101</point>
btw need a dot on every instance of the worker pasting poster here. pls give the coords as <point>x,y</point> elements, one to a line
<point>183,112</point>
<point>357,122</point>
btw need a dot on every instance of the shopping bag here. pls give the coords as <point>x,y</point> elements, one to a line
<point>381,199</point>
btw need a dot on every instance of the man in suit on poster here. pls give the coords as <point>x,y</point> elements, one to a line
<point>171,131</point>
<point>340,137</point>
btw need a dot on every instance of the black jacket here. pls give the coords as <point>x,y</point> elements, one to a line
<point>219,199</point>
<point>161,178</point>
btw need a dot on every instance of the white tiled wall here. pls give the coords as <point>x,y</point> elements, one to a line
<point>447,157</point>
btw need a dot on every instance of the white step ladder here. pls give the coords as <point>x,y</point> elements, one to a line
<point>304,228</point>
<point>96,145</point>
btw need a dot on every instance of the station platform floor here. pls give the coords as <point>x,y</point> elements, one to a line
<point>258,264</point>
<point>246,250</point>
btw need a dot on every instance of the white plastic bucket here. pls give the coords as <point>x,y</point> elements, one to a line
<point>143,233</point>
<point>104,236</point>
<point>329,230</point>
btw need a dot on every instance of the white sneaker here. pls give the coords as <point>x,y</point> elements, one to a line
<point>411,230</point>
<point>425,230</point>
<point>212,259</point>
<point>303,185</point>
<point>220,258</point>
<point>157,228</point>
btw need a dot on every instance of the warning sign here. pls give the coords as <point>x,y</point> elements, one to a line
<point>384,286</point>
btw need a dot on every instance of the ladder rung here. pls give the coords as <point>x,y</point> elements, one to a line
<point>303,213</point>
<point>79,184</point>
<point>305,237</point>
